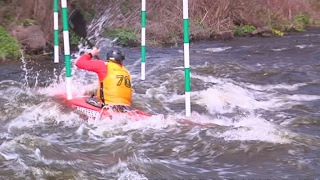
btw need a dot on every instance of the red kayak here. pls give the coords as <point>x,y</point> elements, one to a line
<point>94,112</point>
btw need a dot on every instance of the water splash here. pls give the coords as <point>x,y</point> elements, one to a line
<point>24,68</point>
<point>28,72</point>
<point>97,24</point>
<point>95,29</point>
<point>252,127</point>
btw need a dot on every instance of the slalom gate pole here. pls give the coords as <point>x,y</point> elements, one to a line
<point>56,30</point>
<point>186,58</point>
<point>66,44</point>
<point>143,39</point>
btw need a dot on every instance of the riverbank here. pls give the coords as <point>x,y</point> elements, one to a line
<point>208,20</point>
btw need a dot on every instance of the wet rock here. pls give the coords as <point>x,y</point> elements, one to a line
<point>264,31</point>
<point>31,37</point>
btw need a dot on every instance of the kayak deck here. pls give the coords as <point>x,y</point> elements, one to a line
<point>95,112</point>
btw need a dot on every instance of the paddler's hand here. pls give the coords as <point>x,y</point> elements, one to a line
<point>95,51</point>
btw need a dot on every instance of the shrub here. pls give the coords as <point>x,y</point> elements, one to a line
<point>243,30</point>
<point>276,32</point>
<point>74,39</point>
<point>9,46</point>
<point>301,21</point>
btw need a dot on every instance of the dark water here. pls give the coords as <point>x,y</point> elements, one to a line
<point>255,115</point>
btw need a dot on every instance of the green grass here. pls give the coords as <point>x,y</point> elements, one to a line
<point>9,46</point>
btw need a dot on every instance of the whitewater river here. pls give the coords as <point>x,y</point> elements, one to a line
<point>255,115</point>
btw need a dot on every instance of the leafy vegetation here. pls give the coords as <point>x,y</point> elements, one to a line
<point>9,47</point>
<point>27,22</point>
<point>277,32</point>
<point>126,37</point>
<point>301,21</point>
<point>74,39</point>
<point>243,30</point>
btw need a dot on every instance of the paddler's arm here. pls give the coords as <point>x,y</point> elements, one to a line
<point>85,62</point>
<point>98,66</point>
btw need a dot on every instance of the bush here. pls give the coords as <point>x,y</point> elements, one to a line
<point>74,39</point>
<point>243,30</point>
<point>9,46</point>
<point>276,32</point>
<point>301,21</point>
<point>126,37</point>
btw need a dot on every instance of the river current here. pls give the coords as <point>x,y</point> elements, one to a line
<point>255,115</point>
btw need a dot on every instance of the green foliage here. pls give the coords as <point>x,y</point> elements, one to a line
<point>125,37</point>
<point>74,39</point>
<point>27,22</point>
<point>301,21</point>
<point>302,18</point>
<point>277,32</point>
<point>9,46</point>
<point>242,30</point>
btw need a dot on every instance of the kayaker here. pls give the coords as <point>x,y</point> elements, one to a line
<point>114,89</point>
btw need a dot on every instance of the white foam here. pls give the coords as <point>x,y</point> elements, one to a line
<point>256,128</point>
<point>279,49</point>
<point>302,46</point>
<point>45,112</point>
<point>123,123</point>
<point>218,49</point>
<point>225,98</point>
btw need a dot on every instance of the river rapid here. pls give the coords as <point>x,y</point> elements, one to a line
<point>255,115</point>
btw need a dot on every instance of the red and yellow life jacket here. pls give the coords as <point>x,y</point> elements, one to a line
<point>115,89</point>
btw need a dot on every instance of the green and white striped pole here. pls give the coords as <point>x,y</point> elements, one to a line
<point>66,44</point>
<point>186,58</point>
<point>143,39</point>
<point>56,30</point>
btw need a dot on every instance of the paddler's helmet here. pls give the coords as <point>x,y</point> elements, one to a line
<point>115,55</point>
